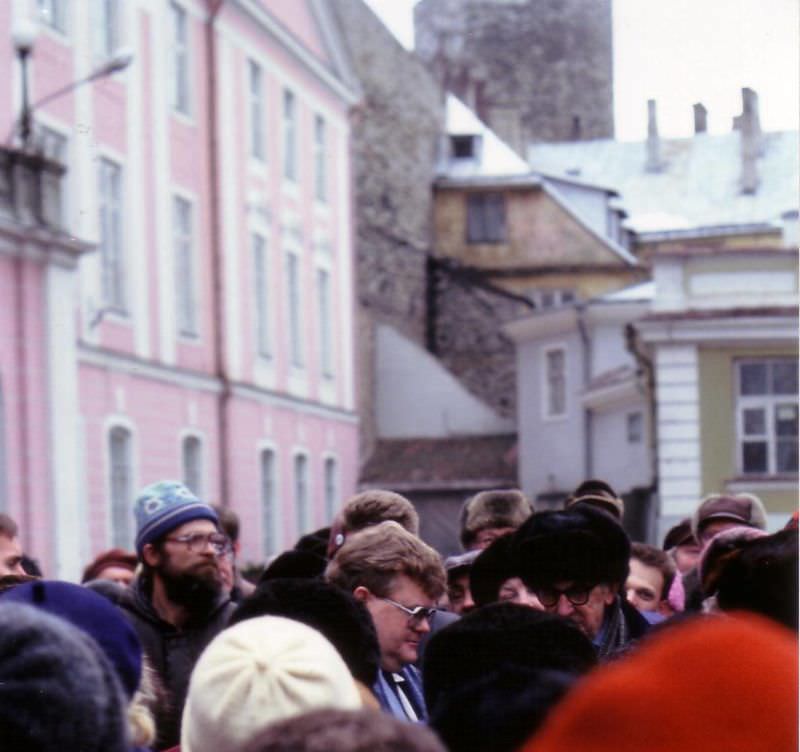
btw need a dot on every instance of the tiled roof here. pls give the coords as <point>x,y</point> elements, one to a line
<point>698,185</point>
<point>455,462</point>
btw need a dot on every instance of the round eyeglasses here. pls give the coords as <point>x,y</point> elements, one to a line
<point>416,614</point>
<point>198,542</point>
<point>577,595</point>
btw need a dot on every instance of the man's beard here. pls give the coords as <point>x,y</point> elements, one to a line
<point>196,590</point>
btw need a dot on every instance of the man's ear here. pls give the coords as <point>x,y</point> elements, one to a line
<point>150,555</point>
<point>361,594</point>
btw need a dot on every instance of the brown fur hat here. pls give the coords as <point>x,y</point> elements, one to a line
<point>496,508</point>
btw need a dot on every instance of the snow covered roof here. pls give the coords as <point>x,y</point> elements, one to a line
<point>698,186</point>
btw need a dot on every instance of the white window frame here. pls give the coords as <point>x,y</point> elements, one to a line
<point>294,308</point>
<point>106,27</point>
<point>301,491</point>
<point>261,288</point>
<point>320,159</point>
<point>330,485</point>
<point>547,393</point>
<point>196,485</point>
<point>290,120</point>
<point>54,15</point>
<point>325,322</point>
<point>768,402</point>
<point>256,111</point>
<point>185,261</point>
<point>113,264</point>
<point>120,500</point>
<point>181,61</point>
<point>268,501</point>
<point>46,134</point>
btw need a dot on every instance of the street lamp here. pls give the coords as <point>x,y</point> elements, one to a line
<point>24,36</point>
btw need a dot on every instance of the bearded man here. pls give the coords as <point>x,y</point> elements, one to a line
<point>177,604</point>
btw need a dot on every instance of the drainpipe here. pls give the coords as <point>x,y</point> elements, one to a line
<point>218,291</point>
<point>586,352</point>
<point>645,365</point>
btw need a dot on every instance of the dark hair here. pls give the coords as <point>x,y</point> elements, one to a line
<point>296,564</point>
<point>493,637</point>
<point>762,576</point>
<point>504,707</point>
<point>654,557</point>
<point>580,544</point>
<point>228,521</point>
<point>343,620</point>
<point>490,570</point>
<point>315,543</point>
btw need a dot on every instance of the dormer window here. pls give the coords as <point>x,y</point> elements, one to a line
<point>464,147</point>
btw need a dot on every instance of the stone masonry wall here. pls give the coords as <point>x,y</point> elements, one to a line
<point>534,70</point>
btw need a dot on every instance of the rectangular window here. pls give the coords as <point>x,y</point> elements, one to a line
<point>486,218</point>
<point>295,322</point>
<point>331,491</point>
<point>268,524</point>
<point>185,303</point>
<point>320,163</point>
<point>767,416</point>
<point>555,383</point>
<point>289,136</point>
<point>180,58</point>
<point>111,246</point>
<point>256,109</point>
<point>53,146</point>
<point>121,483</point>
<point>192,461</point>
<point>261,280</point>
<point>106,27</point>
<point>301,492</point>
<point>635,427</point>
<point>325,321</point>
<point>53,13</point>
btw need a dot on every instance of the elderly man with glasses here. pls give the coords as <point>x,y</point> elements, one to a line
<point>399,579</point>
<point>177,604</point>
<point>576,561</point>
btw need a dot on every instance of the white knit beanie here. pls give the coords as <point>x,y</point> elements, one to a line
<point>255,673</point>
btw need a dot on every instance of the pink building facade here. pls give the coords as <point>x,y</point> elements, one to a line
<point>194,318</point>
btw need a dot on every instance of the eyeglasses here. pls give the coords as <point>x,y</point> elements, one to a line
<point>198,542</point>
<point>577,595</point>
<point>415,614</point>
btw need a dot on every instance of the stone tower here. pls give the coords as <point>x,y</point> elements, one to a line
<point>534,70</point>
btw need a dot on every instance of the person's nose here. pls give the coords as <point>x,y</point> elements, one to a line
<point>423,626</point>
<point>563,606</point>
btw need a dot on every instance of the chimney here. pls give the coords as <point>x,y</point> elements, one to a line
<point>653,163</point>
<point>750,141</point>
<point>700,118</point>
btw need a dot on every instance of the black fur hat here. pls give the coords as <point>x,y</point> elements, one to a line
<point>580,544</point>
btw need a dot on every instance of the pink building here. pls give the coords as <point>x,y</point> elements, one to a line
<point>193,316</point>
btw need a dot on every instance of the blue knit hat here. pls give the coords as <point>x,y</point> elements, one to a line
<point>92,614</point>
<point>163,506</point>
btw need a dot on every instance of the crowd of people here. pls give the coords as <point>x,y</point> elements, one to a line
<point>551,631</point>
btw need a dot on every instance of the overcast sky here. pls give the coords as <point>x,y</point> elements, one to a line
<point>684,51</point>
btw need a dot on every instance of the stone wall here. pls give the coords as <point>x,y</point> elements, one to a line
<point>395,135</point>
<point>534,70</point>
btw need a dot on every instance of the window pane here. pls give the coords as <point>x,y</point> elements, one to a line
<point>787,456</point>
<point>555,382</point>
<point>784,377</point>
<point>256,112</point>
<point>268,502</point>
<point>330,488</point>
<point>754,421</point>
<point>754,456</point>
<point>192,464</point>
<point>295,332</point>
<point>261,279</point>
<point>753,378</point>
<point>786,420</point>
<point>120,481</point>
<point>301,492</point>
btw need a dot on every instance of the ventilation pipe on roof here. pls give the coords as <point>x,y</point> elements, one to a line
<point>700,118</point>
<point>749,127</point>
<point>653,163</point>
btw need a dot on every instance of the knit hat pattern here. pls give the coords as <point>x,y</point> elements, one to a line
<point>58,691</point>
<point>717,684</point>
<point>256,672</point>
<point>94,615</point>
<point>163,506</point>
<point>496,508</point>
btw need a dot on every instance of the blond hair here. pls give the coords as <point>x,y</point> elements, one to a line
<point>375,556</point>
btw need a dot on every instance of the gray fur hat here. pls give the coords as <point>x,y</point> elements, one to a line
<point>496,508</point>
<point>58,691</point>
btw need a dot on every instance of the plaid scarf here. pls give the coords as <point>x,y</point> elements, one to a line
<point>615,635</point>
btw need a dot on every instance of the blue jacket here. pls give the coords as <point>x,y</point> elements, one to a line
<point>390,702</point>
